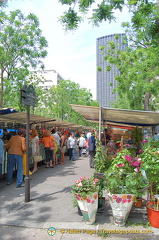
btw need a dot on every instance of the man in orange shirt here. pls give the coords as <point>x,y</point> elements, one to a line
<point>15,147</point>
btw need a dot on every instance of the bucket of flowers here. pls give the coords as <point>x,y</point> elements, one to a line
<point>85,191</point>
<point>124,182</point>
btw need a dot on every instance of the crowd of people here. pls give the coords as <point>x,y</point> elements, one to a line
<point>57,146</point>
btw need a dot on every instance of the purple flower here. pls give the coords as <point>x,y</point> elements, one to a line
<point>128,196</point>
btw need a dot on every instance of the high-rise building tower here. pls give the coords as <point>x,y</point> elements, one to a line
<point>105,97</point>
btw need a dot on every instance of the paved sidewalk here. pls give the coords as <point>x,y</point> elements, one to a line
<point>51,206</point>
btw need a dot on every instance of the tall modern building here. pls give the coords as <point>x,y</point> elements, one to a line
<point>105,97</point>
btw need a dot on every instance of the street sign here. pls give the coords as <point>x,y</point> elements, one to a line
<point>28,96</point>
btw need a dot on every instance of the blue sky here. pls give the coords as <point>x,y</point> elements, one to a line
<point>73,54</point>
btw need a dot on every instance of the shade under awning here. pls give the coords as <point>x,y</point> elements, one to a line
<point>113,116</point>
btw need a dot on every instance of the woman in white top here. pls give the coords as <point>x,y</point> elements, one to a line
<point>35,147</point>
<point>81,142</point>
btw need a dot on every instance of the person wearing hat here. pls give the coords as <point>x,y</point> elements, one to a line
<point>15,148</point>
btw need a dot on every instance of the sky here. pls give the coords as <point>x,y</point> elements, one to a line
<point>73,54</point>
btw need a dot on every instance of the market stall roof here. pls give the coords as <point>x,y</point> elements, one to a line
<point>10,115</point>
<point>113,116</point>
<point>20,117</point>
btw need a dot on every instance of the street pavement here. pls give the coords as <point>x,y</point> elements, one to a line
<point>50,213</point>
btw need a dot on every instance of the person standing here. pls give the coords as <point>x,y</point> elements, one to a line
<point>81,142</point>
<point>91,148</point>
<point>15,147</point>
<point>48,140</point>
<point>35,147</point>
<point>62,147</point>
<point>71,143</point>
<point>6,135</point>
<point>56,137</point>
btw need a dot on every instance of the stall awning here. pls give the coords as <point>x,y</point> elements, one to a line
<point>122,117</point>
<point>10,115</point>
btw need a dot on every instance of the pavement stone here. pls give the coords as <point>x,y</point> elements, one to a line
<point>51,205</point>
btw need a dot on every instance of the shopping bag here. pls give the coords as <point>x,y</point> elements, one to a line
<point>37,158</point>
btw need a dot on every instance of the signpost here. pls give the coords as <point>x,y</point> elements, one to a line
<point>28,98</point>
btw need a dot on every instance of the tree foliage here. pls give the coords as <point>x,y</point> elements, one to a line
<point>22,47</point>
<point>102,11</point>
<point>138,65</point>
<point>55,101</point>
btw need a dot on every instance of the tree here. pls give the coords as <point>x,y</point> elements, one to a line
<point>55,101</point>
<point>138,66</point>
<point>102,11</point>
<point>22,47</point>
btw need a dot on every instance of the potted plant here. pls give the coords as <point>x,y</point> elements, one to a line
<point>101,164</point>
<point>150,166</point>
<point>85,191</point>
<point>124,182</point>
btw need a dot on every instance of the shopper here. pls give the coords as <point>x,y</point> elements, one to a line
<point>81,142</point>
<point>6,135</point>
<point>56,137</point>
<point>34,147</point>
<point>15,147</point>
<point>62,147</point>
<point>91,148</point>
<point>71,144</point>
<point>48,140</point>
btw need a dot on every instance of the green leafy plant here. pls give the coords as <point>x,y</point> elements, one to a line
<point>124,175</point>
<point>101,164</point>
<point>84,187</point>
<point>150,165</point>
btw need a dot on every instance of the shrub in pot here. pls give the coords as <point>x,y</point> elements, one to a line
<point>124,182</point>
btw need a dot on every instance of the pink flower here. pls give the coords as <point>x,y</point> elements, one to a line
<point>127,158</point>
<point>114,196</point>
<point>124,200</point>
<point>88,200</point>
<point>118,200</point>
<point>140,151</point>
<point>96,180</point>
<point>136,169</point>
<point>120,165</point>
<point>129,200</point>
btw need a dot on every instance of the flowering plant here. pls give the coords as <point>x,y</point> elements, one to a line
<point>150,164</point>
<point>84,187</point>
<point>124,175</point>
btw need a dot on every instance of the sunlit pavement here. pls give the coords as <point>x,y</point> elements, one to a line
<point>51,205</point>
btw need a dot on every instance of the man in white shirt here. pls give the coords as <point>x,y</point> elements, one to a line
<point>71,144</point>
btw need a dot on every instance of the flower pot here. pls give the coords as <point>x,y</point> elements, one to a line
<point>153,215</point>
<point>138,203</point>
<point>121,205</point>
<point>88,207</point>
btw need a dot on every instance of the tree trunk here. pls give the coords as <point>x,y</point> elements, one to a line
<point>146,101</point>
<point>1,88</point>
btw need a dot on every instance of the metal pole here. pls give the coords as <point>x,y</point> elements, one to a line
<point>100,117</point>
<point>27,178</point>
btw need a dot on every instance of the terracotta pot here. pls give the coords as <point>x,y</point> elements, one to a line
<point>153,215</point>
<point>138,203</point>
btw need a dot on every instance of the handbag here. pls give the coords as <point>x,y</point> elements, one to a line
<point>37,158</point>
<point>52,145</point>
